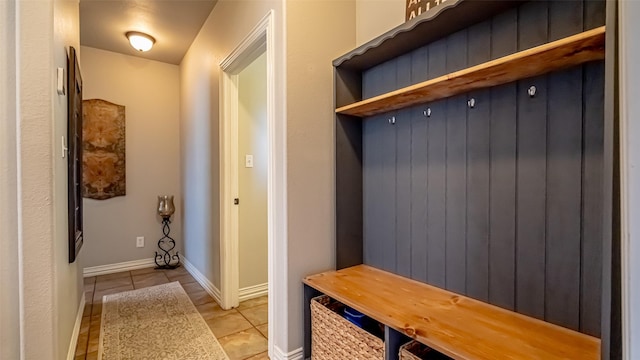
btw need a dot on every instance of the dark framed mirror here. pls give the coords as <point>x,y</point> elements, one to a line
<point>74,140</point>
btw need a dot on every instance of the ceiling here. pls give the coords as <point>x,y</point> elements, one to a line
<point>174,25</point>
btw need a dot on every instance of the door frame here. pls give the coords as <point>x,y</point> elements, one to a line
<point>260,39</point>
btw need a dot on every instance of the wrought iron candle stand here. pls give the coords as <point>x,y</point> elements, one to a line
<point>164,259</point>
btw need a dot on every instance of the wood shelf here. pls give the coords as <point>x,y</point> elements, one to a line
<point>557,55</point>
<point>455,325</point>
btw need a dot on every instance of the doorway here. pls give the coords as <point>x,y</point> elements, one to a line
<point>254,55</point>
<point>252,150</point>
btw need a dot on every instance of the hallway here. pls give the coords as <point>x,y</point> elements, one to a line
<point>242,332</point>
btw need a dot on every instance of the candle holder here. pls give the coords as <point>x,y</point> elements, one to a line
<point>164,259</point>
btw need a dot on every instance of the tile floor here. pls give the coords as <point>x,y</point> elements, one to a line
<point>242,332</point>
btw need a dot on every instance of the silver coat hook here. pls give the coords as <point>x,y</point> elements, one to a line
<point>427,112</point>
<point>532,91</point>
<point>471,103</point>
<point>392,120</point>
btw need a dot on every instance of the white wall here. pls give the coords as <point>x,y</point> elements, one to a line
<point>150,92</point>
<point>629,49</point>
<point>375,17</point>
<point>40,291</point>
<point>9,284</point>
<point>252,182</point>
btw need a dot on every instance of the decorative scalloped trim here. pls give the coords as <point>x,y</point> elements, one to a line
<point>406,27</point>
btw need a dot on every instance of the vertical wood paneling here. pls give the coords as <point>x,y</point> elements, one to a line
<point>531,170</point>
<point>502,202</point>
<point>436,190</point>
<point>388,196</point>
<point>456,190</point>
<point>419,166</point>
<point>478,166</point>
<point>437,175</point>
<point>403,174</point>
<point>503,166</point>
<point>419,65</point>
<point>563,197</point>
<point>564,171</point>
<point>592,195</point>
<point>403,193</point>
<point>372,170</point>
<point>419,199</point>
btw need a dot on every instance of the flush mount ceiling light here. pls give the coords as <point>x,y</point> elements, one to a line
<point>140,41</point>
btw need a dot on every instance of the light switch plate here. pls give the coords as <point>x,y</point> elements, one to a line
<point>140,241</point>
<point>248,161</point>
<point>61,82</point>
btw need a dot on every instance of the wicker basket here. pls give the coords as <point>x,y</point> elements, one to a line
<point>417,351</point>
<point>335,338</point>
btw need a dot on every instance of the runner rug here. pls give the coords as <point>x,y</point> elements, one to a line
<point>158,322</point>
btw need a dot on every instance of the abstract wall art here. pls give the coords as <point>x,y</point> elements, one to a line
<point>103,136</point>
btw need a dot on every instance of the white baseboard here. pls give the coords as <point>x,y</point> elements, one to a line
<point>202,280</point>
<point>255,291</point>
<point>71,353</point>
<point>118,267</point>
<point>297,354</point>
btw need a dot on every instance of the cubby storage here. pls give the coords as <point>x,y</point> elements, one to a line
<point>414,350</point>
<point>475,186</point>
<point>334,337</point>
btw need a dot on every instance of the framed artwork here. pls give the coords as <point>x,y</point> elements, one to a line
<point>74,139</point>
<point>104,173</point>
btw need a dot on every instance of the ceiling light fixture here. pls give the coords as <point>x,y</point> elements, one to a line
<point>140,41</point>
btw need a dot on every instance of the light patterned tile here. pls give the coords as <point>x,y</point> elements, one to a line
<point>143,271</point>
<point>228,324</point>
<point>254,302</point>
<point>83,336</point>
<point>97,296</point>
<point>212,310</point>
<point>183,279</point>
<point>244,344</point>
<point>261,356</point>
<point>113,276</point>
<point>96,309</point>
<point>113,283</point>
<point>172,273</point>
<point>257,315</point>
<point>264,329</point>
<point>192,287</point>
<point>94,337</point>
<point>150,279</point>
<point>200,297</point>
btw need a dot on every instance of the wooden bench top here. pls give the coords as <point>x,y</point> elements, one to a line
<point>455,325</point>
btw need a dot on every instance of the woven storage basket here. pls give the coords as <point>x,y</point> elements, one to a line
<point>417,351</point>
<point>335,338</point>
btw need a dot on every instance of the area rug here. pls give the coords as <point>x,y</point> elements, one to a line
<point>158,322</point>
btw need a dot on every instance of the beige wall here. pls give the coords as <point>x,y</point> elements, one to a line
<point>317,32</point>
<point>9,283</point>
<point>150,92</point>
<point>227,25</point>
<point>33,200</point>
<point>375,17</point>
<point>68,277</point>
<point>252,182</point>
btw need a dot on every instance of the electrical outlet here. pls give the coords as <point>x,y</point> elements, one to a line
<point>140,241</point>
